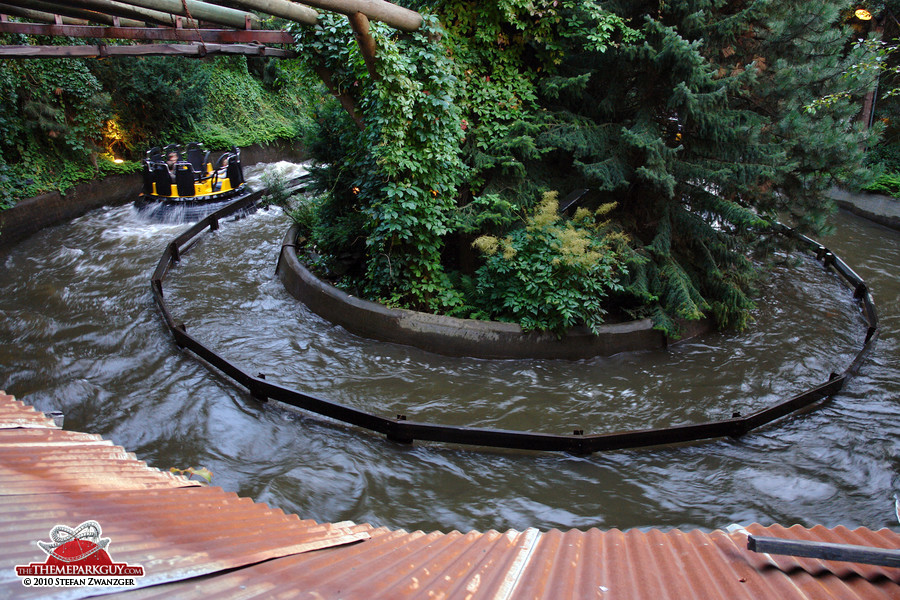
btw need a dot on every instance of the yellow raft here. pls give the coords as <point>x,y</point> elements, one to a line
<point>189,175</point>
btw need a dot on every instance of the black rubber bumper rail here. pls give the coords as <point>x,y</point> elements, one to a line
<point>399,429</point>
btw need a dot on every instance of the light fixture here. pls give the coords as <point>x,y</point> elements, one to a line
<point>863,15</point>
<point>118,161</point>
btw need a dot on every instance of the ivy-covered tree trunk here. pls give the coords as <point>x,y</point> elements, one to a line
<point>402,166</point>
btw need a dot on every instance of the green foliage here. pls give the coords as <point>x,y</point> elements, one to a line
<point>156,98</point>
<point>304,213</point>
<point>886,183</point>
<point>58,118</point>
<point>551,274</point>
<point>691,117</point>
<point>413,132</point>
<point>7,190</point>
<point>239,111</point>
<point>202,472</point>
<point>697,129</point>
<point>50,116</point>
<point>502,52</point>
<point>394,182</point>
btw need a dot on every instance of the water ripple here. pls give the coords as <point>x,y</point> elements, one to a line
<point>81,335</point>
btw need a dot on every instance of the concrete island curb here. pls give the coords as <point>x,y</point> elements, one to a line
<point>881,209</point>
<point>451,336</point>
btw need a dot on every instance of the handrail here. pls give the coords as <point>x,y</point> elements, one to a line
<point>403,431</point>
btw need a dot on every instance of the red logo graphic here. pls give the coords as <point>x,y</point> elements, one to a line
<point>82,545</point>
<point>76,557</point>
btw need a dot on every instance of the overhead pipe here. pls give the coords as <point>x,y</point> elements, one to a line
<point>119,9</point>
<point>203,11</point>
<point>375,10</point>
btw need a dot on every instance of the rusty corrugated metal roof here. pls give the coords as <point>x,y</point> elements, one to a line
<point>173,527</point>
<point>14,413</point>
<point>631,565</point>
<point>34,461</point>
<point>201,542</point>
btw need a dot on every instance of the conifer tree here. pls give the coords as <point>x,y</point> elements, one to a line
<point>691,117</point>
<point>698,131</point>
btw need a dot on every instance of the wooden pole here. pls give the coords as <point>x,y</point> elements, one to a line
<point>119,9</point>
<point>360,24</point>
<point>37,15</point>
<point>345,99</point>
<point>202,11</point>
<point>376,10</point>
<point>293,11</point>
<point>66,10</point>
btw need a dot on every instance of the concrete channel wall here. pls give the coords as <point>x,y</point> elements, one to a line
<point>31,215</point>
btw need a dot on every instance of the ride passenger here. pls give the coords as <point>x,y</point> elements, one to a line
<point>171,159</point>
<point>223,170</point>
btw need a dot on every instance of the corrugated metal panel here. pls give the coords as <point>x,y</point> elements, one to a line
<point>36,460</point>
<point>633,565</point>
<point>660,565</point>
<point>173,527</point>
<point>883,538</point>
<point>200,542</point>
<point>174,534</point>
<point>392,564</point>
<point>14,413</point>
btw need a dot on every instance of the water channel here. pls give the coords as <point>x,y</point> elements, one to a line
<point>80,333</point>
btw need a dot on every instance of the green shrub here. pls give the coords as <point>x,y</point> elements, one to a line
<point>552,273</point>
<point>886,183</point>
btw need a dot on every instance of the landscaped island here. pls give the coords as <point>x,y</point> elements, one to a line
<point>560,164</point>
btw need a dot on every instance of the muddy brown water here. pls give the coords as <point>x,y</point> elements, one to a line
<point>80,333</point>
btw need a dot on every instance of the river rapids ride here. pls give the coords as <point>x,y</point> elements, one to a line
<point>177,175</point>
<point>184,181</point>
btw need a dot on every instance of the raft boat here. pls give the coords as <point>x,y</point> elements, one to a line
<point>173,175</point>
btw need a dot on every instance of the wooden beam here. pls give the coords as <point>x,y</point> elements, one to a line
<point>112,7</point>
<point>360,24</point>
<point>36,15</point>
<point>102,51</point>
<point>220,36</point>
<point>292,11</point>
<point>376,10</point>
<point>885,557</point>
<point>204,11</point>
<point>65,10</point>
